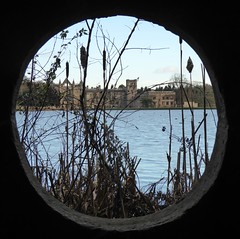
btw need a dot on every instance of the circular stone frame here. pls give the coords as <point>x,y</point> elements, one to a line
<point>170,213</point>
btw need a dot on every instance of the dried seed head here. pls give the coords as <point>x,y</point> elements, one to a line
<point>67,69</point>
<point>83,56</point>
<point>104,60</point>
<point>189,65</point>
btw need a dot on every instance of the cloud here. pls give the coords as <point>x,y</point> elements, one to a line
<point>166,70</point>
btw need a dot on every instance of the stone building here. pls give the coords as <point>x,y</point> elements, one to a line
<point>161,99</point>
<point>127,95</point>
<point>123,96</point>
<point>71,93</point>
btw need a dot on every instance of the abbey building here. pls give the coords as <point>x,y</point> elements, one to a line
<point>76,95</point>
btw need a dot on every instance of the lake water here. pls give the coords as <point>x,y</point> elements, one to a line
<point>146,131</point>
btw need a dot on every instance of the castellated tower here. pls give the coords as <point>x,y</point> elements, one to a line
<point>76,92</point>
<point>131,91</point>
<point>69,94</point>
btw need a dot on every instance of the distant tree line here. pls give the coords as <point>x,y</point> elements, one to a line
<point>39,94</point>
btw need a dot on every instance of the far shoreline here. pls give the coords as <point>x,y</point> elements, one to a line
<point>22,109</point>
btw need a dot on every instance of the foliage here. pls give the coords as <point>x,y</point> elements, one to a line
<point>146,102</point>
<point>37,94</point>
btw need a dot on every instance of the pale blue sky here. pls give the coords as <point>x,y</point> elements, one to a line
<point>151,67</point>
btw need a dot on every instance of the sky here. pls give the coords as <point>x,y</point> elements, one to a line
<point>152,55</point>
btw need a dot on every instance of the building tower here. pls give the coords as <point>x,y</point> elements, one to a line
<point>131,92</point>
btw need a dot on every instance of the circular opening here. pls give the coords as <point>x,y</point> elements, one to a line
<point>129,141</point>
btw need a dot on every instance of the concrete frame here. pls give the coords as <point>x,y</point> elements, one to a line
<point>27,210</point>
